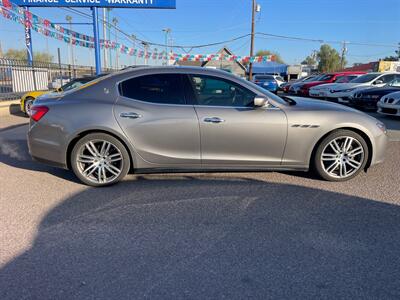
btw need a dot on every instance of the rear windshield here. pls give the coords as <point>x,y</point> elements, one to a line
<point>264,77</point>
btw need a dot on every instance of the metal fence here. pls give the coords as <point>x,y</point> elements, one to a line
<point>18,77</point>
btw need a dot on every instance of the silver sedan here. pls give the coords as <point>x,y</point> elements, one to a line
<point>175,119</point>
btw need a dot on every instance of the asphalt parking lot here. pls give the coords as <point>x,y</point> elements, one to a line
<point>241,235</point>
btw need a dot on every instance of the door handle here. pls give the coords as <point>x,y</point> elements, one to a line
<point>213,120</point>
<point>130,115</point>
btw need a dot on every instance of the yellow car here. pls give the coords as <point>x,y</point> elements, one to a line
<point>28,99</point>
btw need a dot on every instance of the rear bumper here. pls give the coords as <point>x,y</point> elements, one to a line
<point>44,146</point>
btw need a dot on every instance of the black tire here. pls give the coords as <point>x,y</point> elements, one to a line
<point>125,162</point>
<point>317,164</point>
<point>26,102</point>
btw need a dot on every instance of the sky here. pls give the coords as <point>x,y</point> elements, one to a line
<point>197,22</point>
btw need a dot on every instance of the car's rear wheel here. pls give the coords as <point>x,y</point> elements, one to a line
<point>100,160</point>
<point>341,156</point>
<point>28,104</point>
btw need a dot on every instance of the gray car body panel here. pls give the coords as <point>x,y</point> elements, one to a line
<point>174,137</point>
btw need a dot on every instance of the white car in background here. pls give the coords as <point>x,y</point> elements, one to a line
<point>341,92</point>
<point>320,91</point>
<point>279,80</point>
<point>390,104</point>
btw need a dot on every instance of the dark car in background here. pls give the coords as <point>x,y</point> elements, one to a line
<point>368,98</point>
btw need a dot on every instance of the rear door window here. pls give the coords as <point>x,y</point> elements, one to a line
<point>155,88</point>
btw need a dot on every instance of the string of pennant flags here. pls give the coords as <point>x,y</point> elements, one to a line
<point>45,27</point>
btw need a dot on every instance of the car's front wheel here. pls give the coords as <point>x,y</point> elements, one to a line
<point>342,155</point>
<point>100,160</point>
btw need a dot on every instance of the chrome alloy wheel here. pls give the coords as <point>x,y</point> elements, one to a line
<point>342,157</point>
<point>99,161</point>
<point>28,106</point>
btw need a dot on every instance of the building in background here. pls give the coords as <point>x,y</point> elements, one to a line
<point>234,67</point>
<point>376,66</point>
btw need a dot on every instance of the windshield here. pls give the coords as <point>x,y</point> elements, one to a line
<point>74,84</point>
<point>345,79</point>
<point>365,78</point>
<point>325,77</point>
<point>311,78</point>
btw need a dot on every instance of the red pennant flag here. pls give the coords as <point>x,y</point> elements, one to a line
<point>7,4</point>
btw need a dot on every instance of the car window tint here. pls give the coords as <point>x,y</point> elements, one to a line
<point>215,91</point>
<point>387,78</point>
<point>156,88</point>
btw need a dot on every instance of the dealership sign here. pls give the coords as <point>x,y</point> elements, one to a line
<point>167,4</point>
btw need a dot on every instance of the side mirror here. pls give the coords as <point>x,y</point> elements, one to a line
<point>379,82</point>
<point>260,101</point>
<point>59,90</point>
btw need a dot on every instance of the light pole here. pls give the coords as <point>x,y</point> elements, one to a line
<point>115,23</point>
<point>167,31</point>
<point>105,37</point>
<point>255,8</point>
<point>69,20</point>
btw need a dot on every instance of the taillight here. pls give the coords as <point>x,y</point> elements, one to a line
<point>37,112</point>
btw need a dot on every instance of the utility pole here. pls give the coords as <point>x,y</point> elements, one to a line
<point>69,20</point>
<point>167,31</point>
<point>254,9</point>
<point>115,23</point>
<point>398,52</point>
<point>344,51</point>
<point>105,20</point>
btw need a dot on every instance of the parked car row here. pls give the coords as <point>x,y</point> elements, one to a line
<point>369,91</point>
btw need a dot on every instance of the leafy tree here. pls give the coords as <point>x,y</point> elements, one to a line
<point>391,58</point>
<point>277,56</point>
<point>21,55</point>
<point>309,61</point>
<point>329,59</point>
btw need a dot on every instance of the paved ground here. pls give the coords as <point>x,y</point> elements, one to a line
<point>264,235</point>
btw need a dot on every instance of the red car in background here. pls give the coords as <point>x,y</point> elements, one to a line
<point>304,89</point>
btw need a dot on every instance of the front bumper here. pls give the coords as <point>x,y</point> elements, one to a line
<point>379,151</point>
<point>366,103</point>
<point>389,109</point>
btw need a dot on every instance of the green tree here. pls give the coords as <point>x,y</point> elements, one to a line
<point>278,57</point>
<point>21,55</point>
<point>329,60</point>
<point>309,60</point>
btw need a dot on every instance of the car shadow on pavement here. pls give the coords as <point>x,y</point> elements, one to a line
<point>199,237</point>
<point>15,153</point>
